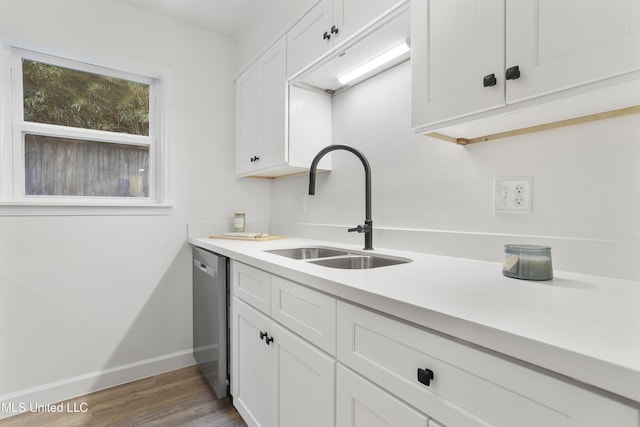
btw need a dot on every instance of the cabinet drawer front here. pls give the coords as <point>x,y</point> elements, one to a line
<point>360,403</point>
<point>251,285</point>
<point>470,387</point>
<point>309,313</point>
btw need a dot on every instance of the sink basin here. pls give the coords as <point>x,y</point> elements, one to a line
<point>359,262</point>
<point>338,258</point>
<point>308,253</point>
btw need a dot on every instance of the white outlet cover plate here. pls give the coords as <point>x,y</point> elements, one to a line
<point>513,194</point>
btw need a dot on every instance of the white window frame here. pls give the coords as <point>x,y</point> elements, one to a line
<point>13,128</point>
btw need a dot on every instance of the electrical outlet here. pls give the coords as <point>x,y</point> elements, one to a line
<point>513,194</point>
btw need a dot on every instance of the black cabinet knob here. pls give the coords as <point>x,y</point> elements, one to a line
<point>334,29</point>
<point>326,36</point>
<point>255,159</point>
<point>425,376</point>
<point>263,335</point>
<point>489,80</point>
<point>269,340</point>
<point>513,72</point>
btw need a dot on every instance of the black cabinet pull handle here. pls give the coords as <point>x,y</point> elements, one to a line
<point>489,80</point>
<point>513,72</point>
<point>255,159</point>
<point>425,376</point>
<point>269,340</point>
<point>263,335</point>
<point>326,36</point>
<point>334,29</point>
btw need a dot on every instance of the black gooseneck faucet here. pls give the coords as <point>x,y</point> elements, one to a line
<point>367,228</point>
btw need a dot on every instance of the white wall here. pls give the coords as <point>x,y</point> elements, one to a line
<point>87,301</point>
<point>435,196</point>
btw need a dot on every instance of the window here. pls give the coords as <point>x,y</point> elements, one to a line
<point>83,133</point>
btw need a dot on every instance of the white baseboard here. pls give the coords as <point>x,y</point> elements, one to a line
<point>11,404</point>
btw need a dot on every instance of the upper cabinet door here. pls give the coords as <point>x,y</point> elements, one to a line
<point>563,44</point>
<point>247,118</point>
<point>351,15</point>
<point>457,59</point>
<point>272,67</point>
<point>310,38</point>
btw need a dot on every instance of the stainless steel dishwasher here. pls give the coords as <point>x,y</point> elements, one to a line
<point>210,318</point>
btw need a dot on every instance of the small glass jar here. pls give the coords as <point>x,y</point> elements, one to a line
<point>239,222</point>
<point>529,262</point>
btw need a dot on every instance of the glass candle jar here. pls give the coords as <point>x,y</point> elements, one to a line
<point>529,262</point>
<point>239,222</point>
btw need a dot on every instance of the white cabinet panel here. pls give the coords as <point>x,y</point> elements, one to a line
<point>277,378</point>
<point>252,285</point>
<point>247,118</point>
<point>455,44</point>
<point>562,44</point>
<point>306,312</point>
<point>360,403</point>
<point>272,67</point>
<point>303,381</point>
<point>327,25</point>
<point>555,60</point>
<point>352,15</point>
<point>250,365</point>
<point>468,387</point>
<point>261,112</point>
<point>306,41</point>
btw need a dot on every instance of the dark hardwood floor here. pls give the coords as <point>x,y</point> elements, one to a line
<point>176,398</point>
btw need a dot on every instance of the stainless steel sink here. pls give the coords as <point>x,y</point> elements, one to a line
<point>339,258</point>
<point>308,253</point>
<point>359,262</point>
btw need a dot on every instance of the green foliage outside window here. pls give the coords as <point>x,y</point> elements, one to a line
<point>62,96</point>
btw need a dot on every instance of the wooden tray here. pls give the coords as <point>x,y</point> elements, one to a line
<point>254,239</point>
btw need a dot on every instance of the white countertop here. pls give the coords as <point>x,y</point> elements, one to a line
<point>583,327</point>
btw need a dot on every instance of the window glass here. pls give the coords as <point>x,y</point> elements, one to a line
<point>68,97</point>
<point>74,167</point>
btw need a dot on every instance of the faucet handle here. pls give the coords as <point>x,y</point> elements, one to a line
<point>360,229</point>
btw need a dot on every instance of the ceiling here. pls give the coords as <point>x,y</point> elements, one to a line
<point>221,16</point>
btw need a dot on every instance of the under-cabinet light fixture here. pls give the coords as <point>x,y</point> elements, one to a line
<point>376,62</point>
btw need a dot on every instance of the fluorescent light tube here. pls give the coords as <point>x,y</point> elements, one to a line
<point>376,62</point>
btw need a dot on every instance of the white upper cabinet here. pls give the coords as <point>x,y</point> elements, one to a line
<point>310,38</point>
<point>562,44</point>
<point>278,130</point>
<point>473,60</point>
<point>328,24</point>
<point>352,15</point>
<point>261,111</point>
<point>456,43</point>
<point>247,118</point>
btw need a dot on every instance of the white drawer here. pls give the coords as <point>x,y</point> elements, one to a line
<point>251,285</point>
<point>360,403</point>
<point>308,313</point>
<point>470,387</point>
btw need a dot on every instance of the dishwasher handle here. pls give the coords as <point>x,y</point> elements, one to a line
<point>204,268</point>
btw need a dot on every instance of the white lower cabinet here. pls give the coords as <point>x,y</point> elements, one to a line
<point>302,382</point>
<point>279,379</point>
<point>463,386</point>
<point>360,403</point>
<point>250,365</point>
<point>299,358</point>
